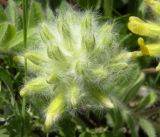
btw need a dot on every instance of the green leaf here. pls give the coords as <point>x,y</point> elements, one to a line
<point>19,37</point>
<point>132,125</point>
<point>36,14</point>
<point>17,40</point>
<point>13,14</point>
<point>11,11</point>
<point>7,32</point>
<point>147,127</point>
<point>3,28</point>
<point>3,16</point>
<point>3,133</point>
<point>146,101</point>
<point>115,118</point>
<point>6,77</point>
<point>132,91</point>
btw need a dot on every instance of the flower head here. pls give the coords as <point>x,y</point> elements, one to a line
<point>78,62</point>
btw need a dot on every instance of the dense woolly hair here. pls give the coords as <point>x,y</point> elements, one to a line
<point>78,63</point>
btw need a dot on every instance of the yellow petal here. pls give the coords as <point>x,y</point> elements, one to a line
<point>144,49</point>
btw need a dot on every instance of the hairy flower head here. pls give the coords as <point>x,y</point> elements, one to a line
<point>78,63</point>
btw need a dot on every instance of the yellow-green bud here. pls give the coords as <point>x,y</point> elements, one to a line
<point>74,94</point>
<point>34,86</point>
<point>54,110</point>
<point>52,79</point>
<point>87,22</point>
<point>30,65</point>
<point>46,34</point>
<point>54,52</point>
<point>88,41</point>
<point>35,57</point>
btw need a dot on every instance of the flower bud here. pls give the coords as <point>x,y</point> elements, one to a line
<point>88,42</point>
<point>54,52</point>
<point>46,34</point>
<point>65,32</point>
<point>99,96</point>
<point>74,94</point>
<point>52,79</point>
<point>34,86</point>
<point>104,100</point>
<point>87,23</point>
<point>54,110</point>
<point>30,66</point>
<point>106,40</point>
<point>79,68</point>
<point>35,57</point>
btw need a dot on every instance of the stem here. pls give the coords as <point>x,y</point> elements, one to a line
<point>25,25</point>
<point>13,102</point>
<point>25,70</point>
<point>24,99</point>
<point>108,7</point>
<point>25,21</point>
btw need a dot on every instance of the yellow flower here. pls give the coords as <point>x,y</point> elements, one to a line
<point>143,48</point>
<point>155,5</point>
<point>152,49</point>
<point>146,28</point>
<point>140,27</point>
